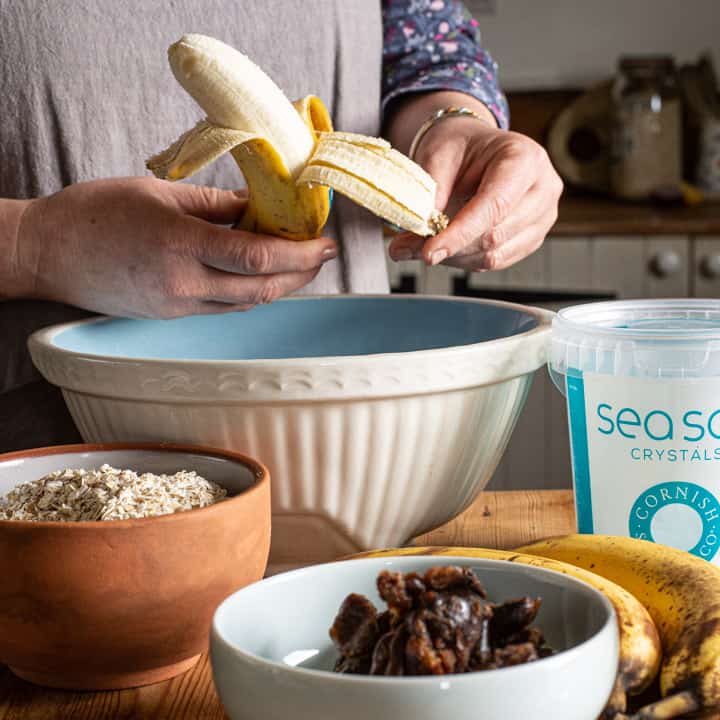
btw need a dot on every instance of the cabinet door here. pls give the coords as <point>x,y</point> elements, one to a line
<point>667,266</point>
<point>706,267</point>
<point>641,267</point>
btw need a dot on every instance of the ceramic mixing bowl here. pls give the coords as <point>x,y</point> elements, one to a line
<point>121,603</point>
<point>272,656</point>
<point>378,417</point>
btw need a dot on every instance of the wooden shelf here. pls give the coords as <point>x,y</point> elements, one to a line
<point>589,215</point>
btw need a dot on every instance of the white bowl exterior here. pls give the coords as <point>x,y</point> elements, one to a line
<point>572,685</point>
<point>346,476</point>
<point>576,691</point>
<point>364,451</point>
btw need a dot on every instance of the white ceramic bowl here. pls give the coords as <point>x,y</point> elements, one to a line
<point>378,417</point>
<point>271,653</point>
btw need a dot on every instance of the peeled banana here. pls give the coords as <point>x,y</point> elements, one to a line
<point>682,594</point>
<point>639,642</point>
<point>288,153</point>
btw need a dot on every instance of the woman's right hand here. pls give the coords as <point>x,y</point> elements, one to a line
<point>141,247</point>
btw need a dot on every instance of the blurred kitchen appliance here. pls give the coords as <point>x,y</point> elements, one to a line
<point>578,140</point>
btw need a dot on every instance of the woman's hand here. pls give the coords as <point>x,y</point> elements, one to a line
<point>140,247</point>
<point>502,186</point>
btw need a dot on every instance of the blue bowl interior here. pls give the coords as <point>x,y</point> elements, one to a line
<point>316,327</point>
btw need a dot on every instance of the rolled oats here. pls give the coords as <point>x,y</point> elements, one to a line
<point>108,494</point>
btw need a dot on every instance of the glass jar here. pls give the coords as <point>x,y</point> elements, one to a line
<point>647,134</point>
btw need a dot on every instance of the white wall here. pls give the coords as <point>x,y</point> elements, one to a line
<point>573,43</point>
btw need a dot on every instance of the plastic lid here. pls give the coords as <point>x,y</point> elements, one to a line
<point>640,338</point>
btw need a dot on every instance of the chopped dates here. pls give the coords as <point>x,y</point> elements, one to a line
<point>437,623</point>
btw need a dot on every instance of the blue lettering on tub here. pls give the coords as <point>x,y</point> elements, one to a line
<point>696,497</point>
<point>672,455</point>
<point>700,430</point>
<point>626,420</point>
<point>610,425</point>
<point>657,425</point>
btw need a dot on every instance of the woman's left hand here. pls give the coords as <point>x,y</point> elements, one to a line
<point>502,186</point>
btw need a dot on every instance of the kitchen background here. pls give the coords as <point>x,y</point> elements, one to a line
<point>572,43</point>
<point>602,247</point>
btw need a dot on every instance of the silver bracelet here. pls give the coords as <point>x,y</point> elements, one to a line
<point>436,117</point>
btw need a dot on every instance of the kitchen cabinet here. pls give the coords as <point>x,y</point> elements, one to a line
<point>569,270</point>
<point>706,266</point>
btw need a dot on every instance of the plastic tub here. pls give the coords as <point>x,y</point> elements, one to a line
<point>642,381</point>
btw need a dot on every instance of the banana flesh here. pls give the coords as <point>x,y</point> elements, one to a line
<point>378,178</point>
<point>640,653</point>
<point>235,93</point>
<point>288,153</point>
<point>682,594</point>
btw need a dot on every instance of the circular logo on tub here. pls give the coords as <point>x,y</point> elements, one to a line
<point>682,515</point>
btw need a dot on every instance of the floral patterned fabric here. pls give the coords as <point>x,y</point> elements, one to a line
<point>435,45</point>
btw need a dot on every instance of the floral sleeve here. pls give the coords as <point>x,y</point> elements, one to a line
<point>435,45</point>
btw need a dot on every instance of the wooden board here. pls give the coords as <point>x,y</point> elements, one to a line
<point>507,519</point>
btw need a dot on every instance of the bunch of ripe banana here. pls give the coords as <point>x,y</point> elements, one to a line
<point>667,604</point>
<point>287,152</point>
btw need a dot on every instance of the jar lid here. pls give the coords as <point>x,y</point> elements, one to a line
<point>644,338</point>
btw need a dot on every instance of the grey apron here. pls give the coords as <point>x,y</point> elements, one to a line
<point>87,93</point>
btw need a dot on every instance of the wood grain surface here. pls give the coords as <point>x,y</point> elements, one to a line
<point>590,215</point>
<point>501,520</point>
<point>188,697</point>
<point>507,519</point>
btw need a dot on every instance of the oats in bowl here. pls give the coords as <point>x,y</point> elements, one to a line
<point>108,494</point>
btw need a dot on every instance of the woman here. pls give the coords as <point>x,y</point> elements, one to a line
<point>88,95</point>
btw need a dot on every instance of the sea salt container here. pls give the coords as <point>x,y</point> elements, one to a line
<point>642,382</point>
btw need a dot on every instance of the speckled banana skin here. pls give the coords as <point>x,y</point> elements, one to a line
<point>682,594</point>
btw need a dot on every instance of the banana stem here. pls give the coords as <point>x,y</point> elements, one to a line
<point>670,707</point>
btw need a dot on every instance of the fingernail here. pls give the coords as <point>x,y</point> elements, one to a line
<point>329,254</point>
<point>403,254</point>
<point>437,256</point>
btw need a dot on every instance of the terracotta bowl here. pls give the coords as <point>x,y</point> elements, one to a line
<point>116,604</point>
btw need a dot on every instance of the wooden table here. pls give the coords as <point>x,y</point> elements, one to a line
<point>501,520</point>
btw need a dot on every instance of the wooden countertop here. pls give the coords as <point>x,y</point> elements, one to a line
<point>500,519</point>
<point>590,215</point>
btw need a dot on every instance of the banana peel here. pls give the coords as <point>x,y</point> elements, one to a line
<point>277,203</point>
<point>290,167</point>
<point>682,594</point>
